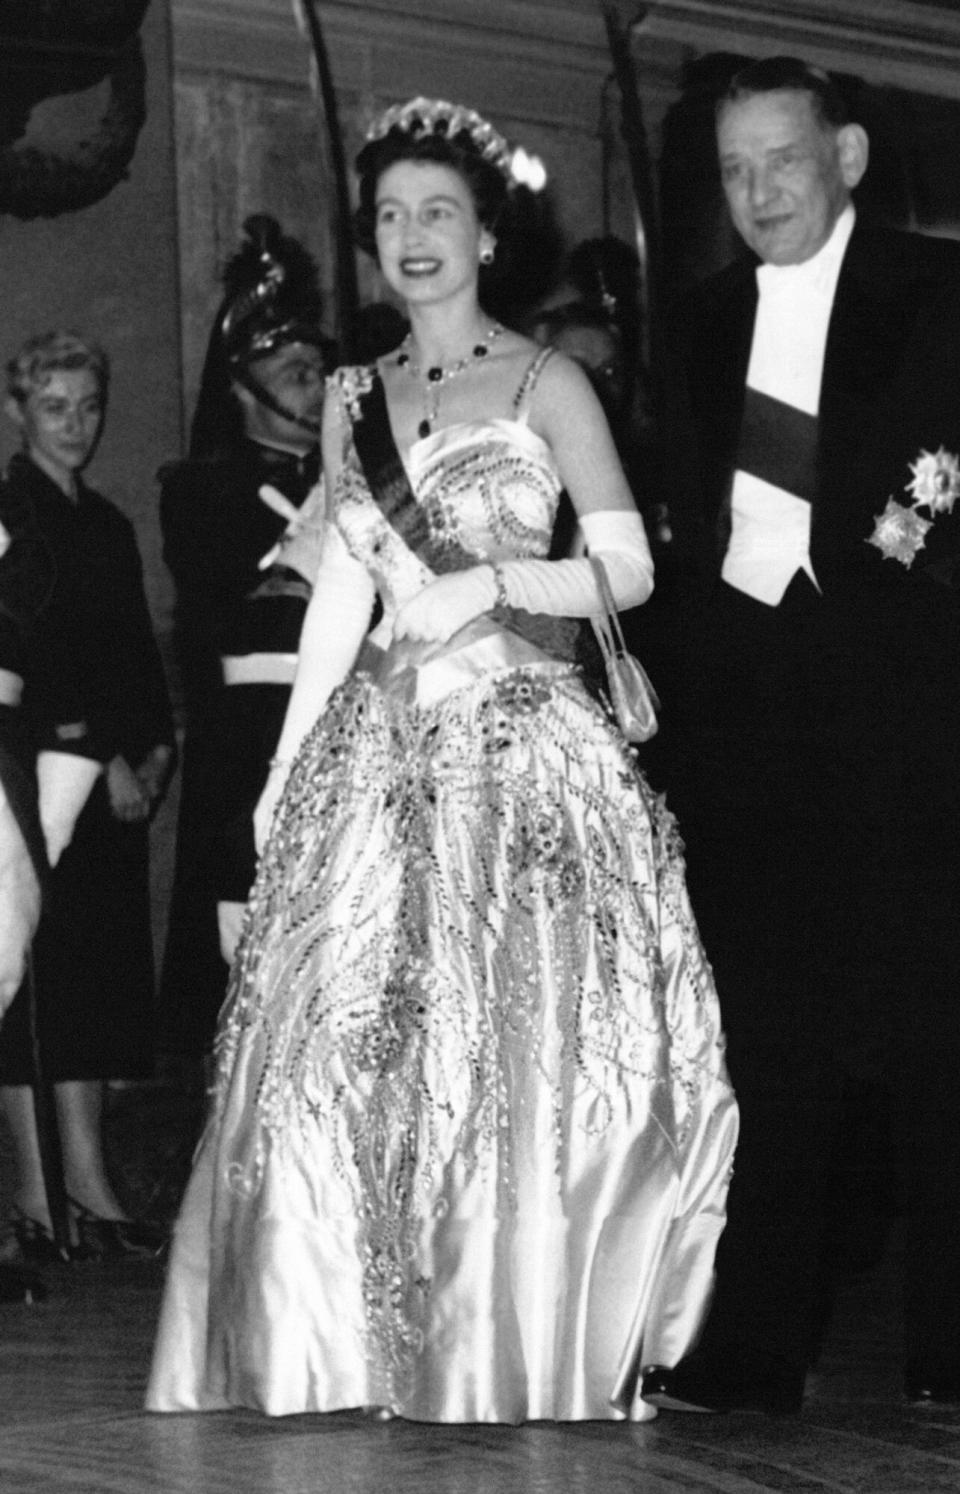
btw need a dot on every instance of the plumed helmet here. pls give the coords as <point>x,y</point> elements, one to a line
<point>271,294</point>
<point>271,298</point>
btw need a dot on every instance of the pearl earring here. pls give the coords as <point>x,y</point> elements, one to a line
<point>486,255</point>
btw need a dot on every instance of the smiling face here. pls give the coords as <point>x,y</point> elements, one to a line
<point>428,236</point>
<point>60,422</point>
<point>786,175</point>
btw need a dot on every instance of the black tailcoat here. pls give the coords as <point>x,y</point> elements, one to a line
<point>817,789</point>
<point>890,388</point>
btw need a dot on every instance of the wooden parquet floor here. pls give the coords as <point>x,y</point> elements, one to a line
<point>72,1374</point>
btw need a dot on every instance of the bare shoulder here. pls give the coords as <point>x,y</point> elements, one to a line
<point>511,354</point>
<point>562,395</point>
<point>513,344</point>
<point>562,378</point>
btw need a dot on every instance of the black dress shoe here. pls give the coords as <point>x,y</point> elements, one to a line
<point>699,1385</point>
<point>116,1239</point>
<point>932,1385</point>
<point>17,1284</point>
<point>35,1242</point>
<point>673,1390</point>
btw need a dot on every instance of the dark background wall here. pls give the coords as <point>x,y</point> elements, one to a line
<point>110,271</point>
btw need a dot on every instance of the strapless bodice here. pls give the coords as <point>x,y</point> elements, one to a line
<point>488,491</point>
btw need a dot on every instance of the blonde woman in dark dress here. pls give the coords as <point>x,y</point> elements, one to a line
<point>92,953</point>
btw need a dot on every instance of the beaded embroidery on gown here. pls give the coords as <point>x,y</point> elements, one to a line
<point>471,1132</point>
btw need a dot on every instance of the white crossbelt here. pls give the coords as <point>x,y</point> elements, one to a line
<point>259,669</point>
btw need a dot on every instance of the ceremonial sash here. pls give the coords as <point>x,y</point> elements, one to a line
<point>561,638</point>
<point>778,443</point>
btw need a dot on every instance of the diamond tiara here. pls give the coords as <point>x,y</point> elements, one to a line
<point>422,116</point>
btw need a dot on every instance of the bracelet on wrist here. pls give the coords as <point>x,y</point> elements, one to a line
<point>500,599</point>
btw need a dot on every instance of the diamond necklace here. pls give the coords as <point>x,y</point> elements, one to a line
<point>437,374</point>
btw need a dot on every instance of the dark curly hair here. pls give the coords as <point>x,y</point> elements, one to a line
<point>488,186</point>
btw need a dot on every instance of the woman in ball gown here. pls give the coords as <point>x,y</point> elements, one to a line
<point>471,1132</point>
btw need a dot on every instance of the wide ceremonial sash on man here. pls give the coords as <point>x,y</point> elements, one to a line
<point>778,443</point>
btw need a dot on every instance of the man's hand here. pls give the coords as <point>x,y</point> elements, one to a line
<point>153,772</point>
<point>128,800</point>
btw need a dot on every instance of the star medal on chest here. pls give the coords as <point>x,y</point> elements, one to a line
<point>439,374</point>
<point>900,532</point>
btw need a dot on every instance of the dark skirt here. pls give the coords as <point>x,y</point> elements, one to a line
<point>93,961</point>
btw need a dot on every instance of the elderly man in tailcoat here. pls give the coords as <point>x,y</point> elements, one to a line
<point>817,442</point>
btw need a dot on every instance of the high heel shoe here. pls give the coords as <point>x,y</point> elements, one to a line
<point>115,1239</point>
<point>35,1242</point>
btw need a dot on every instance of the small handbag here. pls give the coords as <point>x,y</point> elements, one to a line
<point>632,696</point>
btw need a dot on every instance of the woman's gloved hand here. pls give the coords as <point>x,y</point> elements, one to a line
<point>446,605</point>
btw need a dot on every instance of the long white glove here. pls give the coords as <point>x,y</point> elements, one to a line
<point>64,781</point>
<point>561,588</point>
<point>230,927</point>
<point>446,605</point>
<point>567,588</point>
<point>19,904</point>
<point>336,621</point>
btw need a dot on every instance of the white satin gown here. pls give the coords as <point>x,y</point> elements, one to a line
<point>471,1134</point>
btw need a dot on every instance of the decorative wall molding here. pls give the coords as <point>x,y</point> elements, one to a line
<point>895,43</point>
<point>540,60</point>
<point>249,135</point>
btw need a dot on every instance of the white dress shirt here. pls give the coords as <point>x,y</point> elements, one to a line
<point>770,528</point>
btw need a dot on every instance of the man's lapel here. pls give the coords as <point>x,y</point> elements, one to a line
<point>725,354</point>
<point>864,342</point>
<point>718,374</point>
<point>862,412</point>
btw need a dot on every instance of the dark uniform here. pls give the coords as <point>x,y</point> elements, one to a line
<point>237,626</point>
<point>237,632</point>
